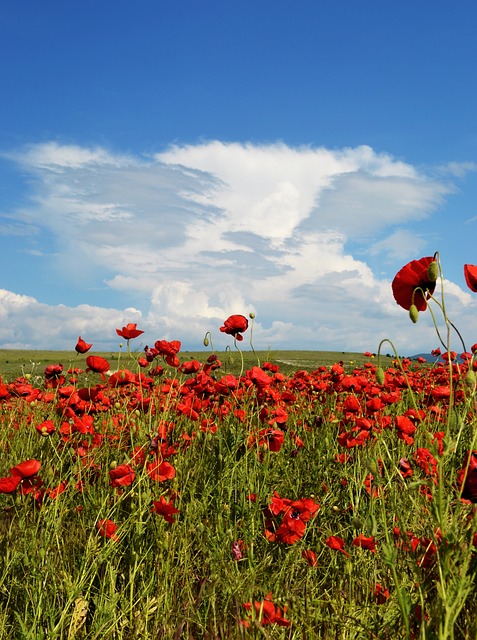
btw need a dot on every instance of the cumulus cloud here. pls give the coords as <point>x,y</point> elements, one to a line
<point>197,232</point>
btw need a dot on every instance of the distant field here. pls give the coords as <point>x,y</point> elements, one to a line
<point>14,363</point>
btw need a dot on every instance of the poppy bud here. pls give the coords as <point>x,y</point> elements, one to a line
<point>380,375</point>
<point>432,271</point>
<point>206,341</point>
<point>251,315</point>
<point>413,313</point>
<point>373,467</point>
<point>470,379</point>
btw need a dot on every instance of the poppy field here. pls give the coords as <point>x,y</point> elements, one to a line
<point>166,497</point>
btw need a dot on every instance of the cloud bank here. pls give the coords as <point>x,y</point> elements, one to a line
<point>179,240</point>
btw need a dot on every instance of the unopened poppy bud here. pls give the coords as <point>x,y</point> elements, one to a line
<point>373,467</point>
<point>380,375</point>
<point>206,341</point>
<point>470,379</point>
<point>413,313</point>
<point>432,271</point>
<point>251,315</point>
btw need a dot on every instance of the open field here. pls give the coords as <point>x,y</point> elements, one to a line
<point>17,362</point>
<point>313,496</point>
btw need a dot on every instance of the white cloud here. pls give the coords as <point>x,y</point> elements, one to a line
<point>198,232</point>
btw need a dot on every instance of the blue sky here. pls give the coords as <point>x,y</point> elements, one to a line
<point>172,163</point>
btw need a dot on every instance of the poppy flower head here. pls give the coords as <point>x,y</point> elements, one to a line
<point>234,326</point>
<point>107,529</point>
<point>165,509</point>
<point>412,286</point>
<point>129,331</point>
<point>470,274</point>
<point>26,469</point>
<point>82,346</point>
<point>97,364</point>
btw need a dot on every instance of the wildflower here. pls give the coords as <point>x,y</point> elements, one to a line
<point>9,484</point>
<point>337,544</point>
<point>165,509</point>
<point>129,332</point>
<point>267,612</point>
<point>310,557</point>
<point>296,515</point>
<point>82,346</point>
<point>235,325</point>
<point>26,469</point>
<point>404,468</point>
<point>45,428</point>
<point>238,549</point>
<point>380,594</point>
<point>270,438</point>
<point>365,542</point>
<point>470,274</point>
<point>160,471</point>
<point>107,529</point>
<point>97,364</point>
<point>122,476</point>
<point>412,283</point>
<point>168,351</point>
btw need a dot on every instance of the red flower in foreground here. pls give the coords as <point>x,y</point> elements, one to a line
<point>310,557</point>
<point>365,543</point>
<point>107,529</point>
<point>235,326</point>
<point>411,277</point>
<point>336,543</point>
<point>129,332</point>
<point>380,594</point>
<point>267,613</point>
<point>9,484</point>
<point>82,346</point>
<point>160,471</point>
<point>122,476</point>
<point>26,469</point>
<point>97,364</point>
<point>168,351</point>
<point>470,273</point>
<point>165,509</point>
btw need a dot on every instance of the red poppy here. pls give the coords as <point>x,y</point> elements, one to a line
<point>45,428</point>
<point>9,484</point>
<point>160,471</point>
<point>122,476</point>
<point>380,594</point>
<point>82,346</point>
<point>97,364</point>
<point>107,529</point>
<point>310,557</point>
<point>296,515</point>
<point>165,509</point>
<point>336,543</point>
<point>267,613</point>
<point>411,277</point>
<point>365,542</point>
<point>270,438</point>
<point>168,351</point>
<point>235,325</point>
<point>129,332</point>
<point>26,469</point>
<point>470,273</point>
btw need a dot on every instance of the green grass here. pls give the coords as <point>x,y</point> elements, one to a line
<point>14,362</point>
